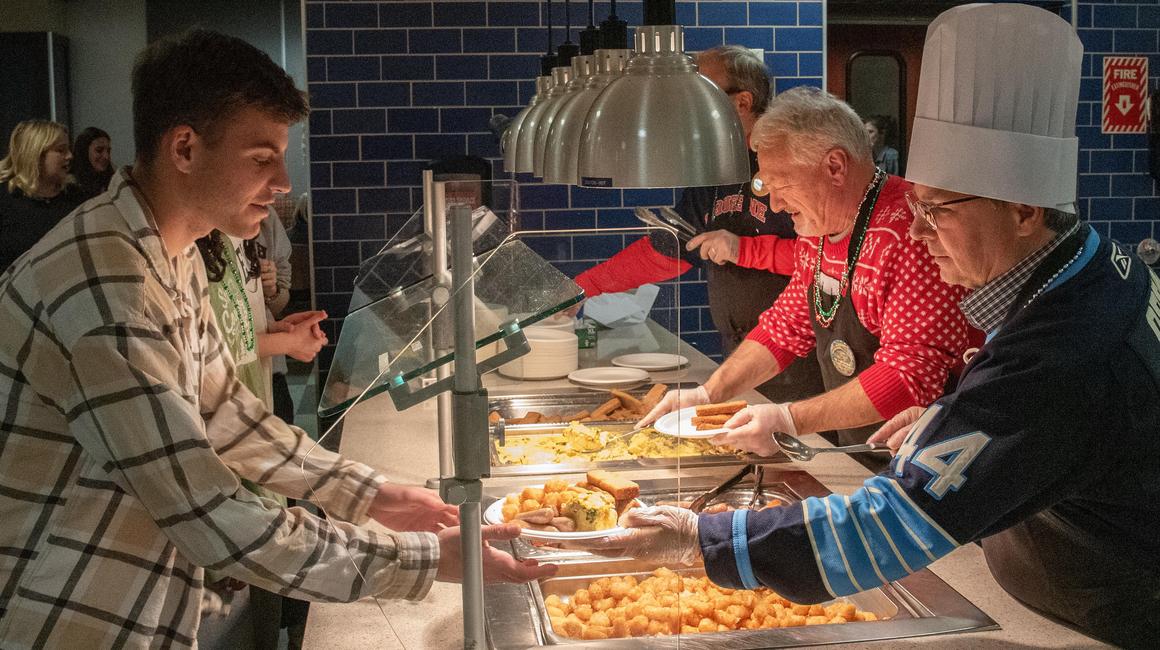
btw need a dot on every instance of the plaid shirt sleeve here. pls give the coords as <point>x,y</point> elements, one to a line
<point>134,408</point>
<point>262,448</point>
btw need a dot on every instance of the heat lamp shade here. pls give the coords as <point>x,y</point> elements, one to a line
<point>662,124</point>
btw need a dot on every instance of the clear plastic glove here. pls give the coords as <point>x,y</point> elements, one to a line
<point>897,428</point>
<point>661,534</point>
<point>498,566</point>
<point>719,246</point>
<point>674,400</point>
<point>751,429</point>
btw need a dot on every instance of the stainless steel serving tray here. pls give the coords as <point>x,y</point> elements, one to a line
<point>918,605</point>
<point>571,402</point>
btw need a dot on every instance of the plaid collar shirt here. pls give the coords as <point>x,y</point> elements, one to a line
<point>121,428</point>
<point>987,306</point>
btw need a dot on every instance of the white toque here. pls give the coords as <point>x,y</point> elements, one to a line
<point>997,99</point>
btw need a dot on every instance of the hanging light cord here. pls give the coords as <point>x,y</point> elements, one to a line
<point>550,27</point>
<point>567,21</point>
<point>591,13</point>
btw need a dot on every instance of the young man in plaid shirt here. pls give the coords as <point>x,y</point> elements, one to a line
<point>123,429</point>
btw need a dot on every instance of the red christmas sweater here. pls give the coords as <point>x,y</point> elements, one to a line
<point>898,296</point>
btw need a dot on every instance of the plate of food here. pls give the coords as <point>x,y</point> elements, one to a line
<point>561,511</point>
<point>704,421</point>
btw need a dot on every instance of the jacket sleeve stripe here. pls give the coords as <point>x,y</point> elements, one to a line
<point>876,535</point>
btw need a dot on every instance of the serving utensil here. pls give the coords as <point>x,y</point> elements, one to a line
<point>699,503</point>
<point>798,450</point>
<point>758,478</point>
<point>683,231</point>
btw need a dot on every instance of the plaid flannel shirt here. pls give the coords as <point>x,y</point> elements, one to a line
<point>120,423</point>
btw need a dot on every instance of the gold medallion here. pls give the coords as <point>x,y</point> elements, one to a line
<point>842,357</point>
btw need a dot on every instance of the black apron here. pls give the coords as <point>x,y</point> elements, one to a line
<point>846,347</point>
<point>847,336</point>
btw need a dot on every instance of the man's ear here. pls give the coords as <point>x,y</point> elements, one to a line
<point>1029,218</point>
<point>837,165</point>
<point>179,145</point>
<point>744,101</point>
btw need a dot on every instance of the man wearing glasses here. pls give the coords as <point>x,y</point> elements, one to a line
<point>864,297</point>
<point>1048,450</point>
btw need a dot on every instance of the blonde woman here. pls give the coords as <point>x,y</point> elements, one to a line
<point>36,191</point>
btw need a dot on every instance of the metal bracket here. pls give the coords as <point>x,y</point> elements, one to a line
<point>404,397</point>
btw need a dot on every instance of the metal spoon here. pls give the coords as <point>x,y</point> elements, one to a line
<point>798,450</point>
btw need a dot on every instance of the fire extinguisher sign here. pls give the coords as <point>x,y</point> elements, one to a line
<point>1125,94</point>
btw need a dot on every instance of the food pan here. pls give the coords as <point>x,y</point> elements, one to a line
<point>577,576</point>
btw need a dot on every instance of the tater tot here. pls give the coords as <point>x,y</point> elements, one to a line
<point>596,632</point>
<point>581,597</point>
<point>596,591</point>
<point>572,626</point>
<point>657,627</point>
<point>583,612</point>
<point>800,610</point>
<point>707,625</point>
<point>725,618</point>
<point>618,589</point>
<point>620,629</point>
<point>836,620</point>
<point>603,604</point>
<point>638,625</point>
<point>816,620</point>
<point>528,505</point>
<point>739,611</point>
<point>793,620</point>
<point>817,610</point>
<point>509,511</point>
<point>689,629</point>
<point>601,619</point>
<point>554,612</point>
<point>533,493</point>
<point>555,485</point>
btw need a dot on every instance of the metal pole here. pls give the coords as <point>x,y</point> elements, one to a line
<point>435,225</point>
<point>470,429</point>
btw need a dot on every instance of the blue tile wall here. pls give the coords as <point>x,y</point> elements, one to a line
<point>396,83</point>
<point>1116,193</point>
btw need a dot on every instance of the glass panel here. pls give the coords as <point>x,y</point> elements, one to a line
<point>388,341</point>
<point>875,84</point>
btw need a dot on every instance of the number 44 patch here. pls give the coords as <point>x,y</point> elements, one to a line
<point>946,461</point>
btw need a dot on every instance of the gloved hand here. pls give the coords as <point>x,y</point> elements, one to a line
<point>751,429</point>
<point>897,428</point>
<point>720,246</point>
<point>661,534</point>
<point>674,400</point>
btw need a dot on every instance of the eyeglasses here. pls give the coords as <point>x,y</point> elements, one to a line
<point>926,210</point>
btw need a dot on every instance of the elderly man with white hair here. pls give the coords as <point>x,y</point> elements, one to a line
<point>864,297</point>
<point>1048,450</point>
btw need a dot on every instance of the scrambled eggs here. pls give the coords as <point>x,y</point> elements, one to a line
<point>579,443</point>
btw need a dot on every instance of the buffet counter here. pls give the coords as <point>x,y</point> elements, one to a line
<point>376,434</point>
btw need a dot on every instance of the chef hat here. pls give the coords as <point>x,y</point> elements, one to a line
<point>997,99</point>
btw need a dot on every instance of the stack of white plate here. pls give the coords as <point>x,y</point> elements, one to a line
<point>554,354</point>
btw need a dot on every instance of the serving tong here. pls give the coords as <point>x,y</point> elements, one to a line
<point>669,221</point>
<point>800,451</point>
<point>700,502</point>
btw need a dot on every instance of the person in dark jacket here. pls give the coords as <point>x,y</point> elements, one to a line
<point>92,165</point>
<point>36,191</point>
<point>1047,451</point>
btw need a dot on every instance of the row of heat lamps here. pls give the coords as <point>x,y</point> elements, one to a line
<point>614,117</point>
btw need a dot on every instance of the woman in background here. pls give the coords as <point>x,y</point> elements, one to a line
<point>92,161</point>
<point>880,128</point>
<point>36,191</point>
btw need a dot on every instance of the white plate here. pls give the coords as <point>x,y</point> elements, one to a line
<point>680,424</point>
<point>494,515</point>
<point>650,361</point>
<point>608,376</point>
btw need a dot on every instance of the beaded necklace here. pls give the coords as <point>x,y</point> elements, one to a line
<point>865,207</point>
<point>1057,273</point>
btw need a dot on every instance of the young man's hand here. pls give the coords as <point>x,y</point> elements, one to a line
<point>410,508</point>
<point>498,566</point>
